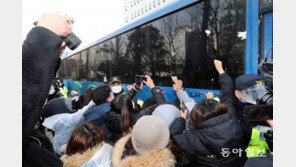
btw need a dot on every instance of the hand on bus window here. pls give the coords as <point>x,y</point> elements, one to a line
<point>57,23</point>
<point>218,66</point>
<point>149,82</point>
<point>177,86</point>
<point>210,95</point>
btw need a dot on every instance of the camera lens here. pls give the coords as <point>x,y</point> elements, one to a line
<point>72,41</point>
<point>266,99</point>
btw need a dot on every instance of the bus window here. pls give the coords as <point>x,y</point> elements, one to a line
<point>183,43</point>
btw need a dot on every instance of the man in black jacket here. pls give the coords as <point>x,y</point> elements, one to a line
<point>40,52</point>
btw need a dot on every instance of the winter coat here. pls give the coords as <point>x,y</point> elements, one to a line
<point>40,52</point>
<point>64,124</point>
<point>207,141</point>
<point>97,117</point>
<point>161,158</point>
<point>99,156</point>
<point>113,123</point>
<point>58,106</point>
<point>227,96</point>
<point>113,120</point>
<point>159,98</point>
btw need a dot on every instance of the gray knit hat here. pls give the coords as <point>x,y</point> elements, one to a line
<point>167,112</point>
<point>150,133</point>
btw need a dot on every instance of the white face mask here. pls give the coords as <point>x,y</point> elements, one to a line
<point>75,98</point>
<point>116,89</point>
<point>51,90</point>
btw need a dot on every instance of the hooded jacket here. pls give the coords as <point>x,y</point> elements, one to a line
<point>156,158</point>
<point>98,156</point>
<point>58,106</point>
<point>209,139</point>
<point>63,125</point>
<point>209,142</point>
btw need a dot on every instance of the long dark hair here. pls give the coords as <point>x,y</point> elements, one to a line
<point>84,136</point>
<point>87,96</point>
<point>206,109</point>
<point>122,104</point>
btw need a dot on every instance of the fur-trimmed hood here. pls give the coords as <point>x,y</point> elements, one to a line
<point>80,159</point>
<point>157,158</point>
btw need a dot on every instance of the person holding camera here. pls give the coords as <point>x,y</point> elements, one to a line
<point>116,87</point>
<point>40,53</point>
<point>251,91</point>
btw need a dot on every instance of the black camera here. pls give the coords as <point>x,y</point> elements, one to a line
<point>265,99</point>
<point>138,80</point>
<point>71,40</point>
<point>266,68</point>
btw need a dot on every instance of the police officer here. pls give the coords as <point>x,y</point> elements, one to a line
<point>116,87</point>
<point>56,91</point>
<point>250,88</point>
<point>62,87</point>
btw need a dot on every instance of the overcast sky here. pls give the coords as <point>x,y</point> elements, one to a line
<point>93,18</point>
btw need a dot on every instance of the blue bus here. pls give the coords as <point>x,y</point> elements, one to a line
<point>180,39</point>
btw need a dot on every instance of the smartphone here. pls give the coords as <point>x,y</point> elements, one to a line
<point>184,108</point>
<point>258,113</point>
<point>138,80</point>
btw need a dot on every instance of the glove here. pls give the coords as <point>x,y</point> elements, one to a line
<point>269,139</point>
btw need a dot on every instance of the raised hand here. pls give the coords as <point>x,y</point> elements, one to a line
<point>57,23</point>
<point>177,86</point>
<point>149,82</point>
<point>218,66</point>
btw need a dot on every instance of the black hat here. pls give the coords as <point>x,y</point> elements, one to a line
<point>115,79</point>
<point>245,81</point>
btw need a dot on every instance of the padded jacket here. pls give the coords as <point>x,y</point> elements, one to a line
<point>209,142</point>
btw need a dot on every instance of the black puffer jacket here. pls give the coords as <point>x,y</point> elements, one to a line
<point>159,99</point>
<point>206,141</point>
<point>113,123</point>
<point>113,119</point>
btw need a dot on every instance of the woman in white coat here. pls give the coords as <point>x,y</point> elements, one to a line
<point>87,147</point>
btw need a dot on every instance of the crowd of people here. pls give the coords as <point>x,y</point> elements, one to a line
<point>106,126</point>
